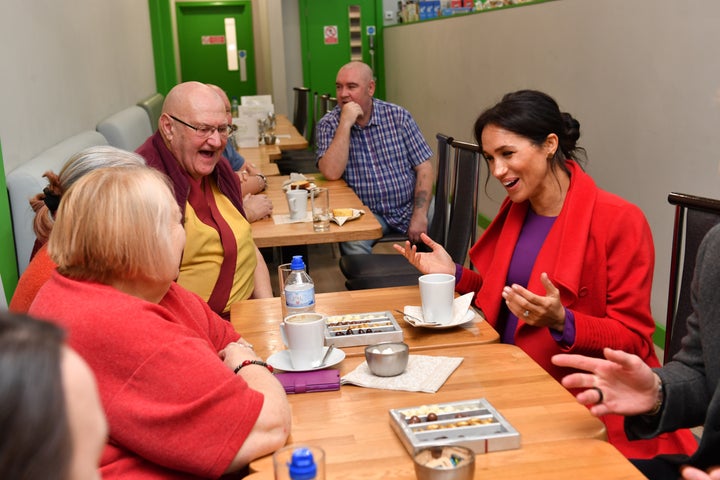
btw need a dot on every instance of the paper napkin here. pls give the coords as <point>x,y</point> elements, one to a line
<point>424,373</point>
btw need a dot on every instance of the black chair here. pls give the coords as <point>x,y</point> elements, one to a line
<point>694,217</point>
<point>301,112</point>
<point>454,229</point>
<point>302,161</point>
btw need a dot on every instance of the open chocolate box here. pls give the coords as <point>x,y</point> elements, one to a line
<point>472,423</point>
<point>362,329</point>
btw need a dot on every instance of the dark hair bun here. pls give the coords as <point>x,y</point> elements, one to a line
<point>572,127</point>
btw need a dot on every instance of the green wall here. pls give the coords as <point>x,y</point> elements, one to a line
<point>8,258</point>
<point>163,50</point>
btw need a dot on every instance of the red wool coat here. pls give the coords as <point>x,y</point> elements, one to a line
<point>600,255</point>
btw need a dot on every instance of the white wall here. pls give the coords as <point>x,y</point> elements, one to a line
<point>641,76</point>
<point>66,66</point>
<point>293,55</point>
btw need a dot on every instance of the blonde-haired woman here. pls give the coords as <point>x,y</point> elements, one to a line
<point>45,206</point>
<point>184,395</point>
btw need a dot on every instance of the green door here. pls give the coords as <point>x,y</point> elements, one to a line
<point>205,36</point>
<point>336,32</point>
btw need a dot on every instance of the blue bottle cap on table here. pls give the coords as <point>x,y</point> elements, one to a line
<point>302,465</point>
<point>297,263</point>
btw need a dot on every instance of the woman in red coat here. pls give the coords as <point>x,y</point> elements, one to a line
<point>564,266</point>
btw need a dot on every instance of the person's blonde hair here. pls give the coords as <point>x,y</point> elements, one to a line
<point>77,165</point>
<point>114,224</point>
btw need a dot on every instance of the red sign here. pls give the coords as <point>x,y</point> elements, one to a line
<point>330,33</point>
<point>213,39</point>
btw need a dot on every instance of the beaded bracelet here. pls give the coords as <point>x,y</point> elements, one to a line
<point>245,363</point>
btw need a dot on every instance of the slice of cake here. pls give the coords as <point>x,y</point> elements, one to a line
<point>342,212</point>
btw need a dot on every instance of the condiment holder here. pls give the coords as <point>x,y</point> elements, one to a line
<point>445,463</point>
<point>387,359</point>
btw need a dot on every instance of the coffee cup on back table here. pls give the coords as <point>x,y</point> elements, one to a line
<point>297,203</point>
<point>437,291</point>
<point>304,336</point>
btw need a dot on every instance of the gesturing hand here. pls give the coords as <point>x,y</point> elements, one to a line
<point>692,473</point>
<point>628,385</point>
<point>436,261</point>
<point>534,309</point>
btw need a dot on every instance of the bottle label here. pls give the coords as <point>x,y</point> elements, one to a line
<point>300,298</point>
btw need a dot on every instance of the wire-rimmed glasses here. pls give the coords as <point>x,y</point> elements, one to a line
<point>205,131</point>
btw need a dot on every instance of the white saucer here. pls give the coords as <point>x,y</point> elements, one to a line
<point>469,315</point>
<point>281,360</point>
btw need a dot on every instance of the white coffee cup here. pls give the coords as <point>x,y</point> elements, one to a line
<point>437,291</point>
<point>304,336</point>
<point>297,203</point>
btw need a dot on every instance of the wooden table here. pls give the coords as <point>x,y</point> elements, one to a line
<point>559,437</point>
<point>268,234</point>
<point>288,139</point>
<point>565,459</point>
<point>258,320</point>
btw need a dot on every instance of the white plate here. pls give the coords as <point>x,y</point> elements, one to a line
<point>312,188</point>
<point>469,315</point>
<point>281,360</point>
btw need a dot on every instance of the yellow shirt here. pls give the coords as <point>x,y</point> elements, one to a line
<point>204,254</point>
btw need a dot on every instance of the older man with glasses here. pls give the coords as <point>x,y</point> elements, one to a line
<point>221,262</point>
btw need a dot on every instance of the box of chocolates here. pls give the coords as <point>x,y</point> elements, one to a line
<point>362,329</point>
<point>472,423</point>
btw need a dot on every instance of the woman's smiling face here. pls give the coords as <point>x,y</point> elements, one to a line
<point>521,167</point>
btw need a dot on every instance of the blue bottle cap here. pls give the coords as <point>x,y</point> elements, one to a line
<point>302,465</point>
<point>297,263</point>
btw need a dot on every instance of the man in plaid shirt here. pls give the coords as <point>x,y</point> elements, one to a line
<point>378,149</point>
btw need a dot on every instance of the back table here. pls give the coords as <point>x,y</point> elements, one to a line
<point>267,233</point>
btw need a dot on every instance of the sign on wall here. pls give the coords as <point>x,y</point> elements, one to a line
<point>330,33</point>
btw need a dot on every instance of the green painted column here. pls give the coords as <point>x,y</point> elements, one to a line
<point>8,258</point>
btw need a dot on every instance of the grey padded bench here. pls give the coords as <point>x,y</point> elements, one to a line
<point>27,180</point>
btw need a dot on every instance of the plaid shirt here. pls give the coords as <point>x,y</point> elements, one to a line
<point>381,160</point>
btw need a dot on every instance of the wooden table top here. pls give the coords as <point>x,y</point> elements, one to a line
<point>268,234</point>
<point>352,425</point>
<point>288,139</point>
<point>258,320</point>
<point>564,459</point>
<point>559,437</point>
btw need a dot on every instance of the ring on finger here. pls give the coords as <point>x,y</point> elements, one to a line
<point>526,313</point>
<point>601,397</point>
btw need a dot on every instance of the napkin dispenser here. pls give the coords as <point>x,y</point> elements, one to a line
<point>306,382</point>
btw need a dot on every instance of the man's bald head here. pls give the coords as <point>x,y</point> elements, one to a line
<point>187,106</point>
<point>361,71</point>
<point>190,97</point>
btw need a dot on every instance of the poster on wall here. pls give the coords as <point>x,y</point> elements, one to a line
<point>330,33</point>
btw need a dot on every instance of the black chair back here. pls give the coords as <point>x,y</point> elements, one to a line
<point>437,230</point>
<point>462,224</point>
<point>301,111</point>
<point>458,181</point>
<point>323,106</point>
<point>694,217</point>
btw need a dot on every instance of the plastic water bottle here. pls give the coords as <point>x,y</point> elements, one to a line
<point>299,288</point>
<point>302,466</point>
